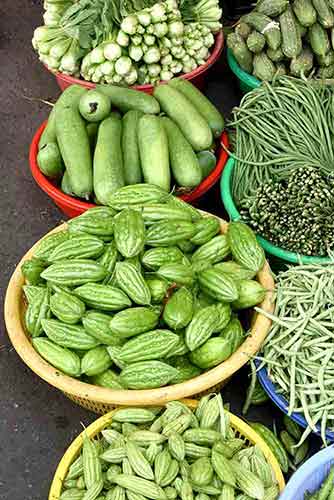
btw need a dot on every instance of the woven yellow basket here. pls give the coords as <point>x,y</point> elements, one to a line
<point>243,431</point>
<point>101,400</point>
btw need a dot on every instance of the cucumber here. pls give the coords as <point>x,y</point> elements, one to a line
<point>49,160</point>
<point>256,42</point>
<point>291,38</point>
<point>153,150</point>
<point>326,72</point>
<point>207,162</point>
<point>183,160</point>
<point>65,185</point>
<point>271,7</point>
<point>92,129</point>
<point>302,64</point>
<point>327,60</point>
<point>177,107</point>
<point>74,146</point>
<point>209,112</point>
<point>325,14</point>
<point>131,158</point>
<point>70,96</point>
<point>275,55</point>
<point>240,51</point>
<point>265,25</point>
<point>126,99</point>
<point>49,133</point>
<point>243,30</point>
<point>108,159</point>
<point>319,40</point>
<point>305,12</point>
<point>264,68</point>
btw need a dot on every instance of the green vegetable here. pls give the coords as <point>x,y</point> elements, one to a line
<point>66,184</point>
<point>130,148</point>
<point>49,160</point>
<point>319,40</point>
<point>74,146</point>
<point>256,42</point>
<point>127,99</point>
<point>305,12</point>
<point>108,159</point>
<point>264,24</point>
<point>272,7</point>
<point>153,149</point>
<point>63,359</point>
<point>201,103</point>
<point>274,444</point>
<point>306,227</point>
<point>291,38</point>
<point>304,347</point>
<point>207,162</point>
<point>258,130</point>
<point>263,67</point>
<point>325,14</point>
<point>49,133</point>
<point>185,115</point>
<point>94,106</point>
<point>302,64</point>
<point>241,52</point>
<point>183,160</point>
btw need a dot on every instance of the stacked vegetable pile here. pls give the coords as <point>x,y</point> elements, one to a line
<point>284,161</point>
<point>145,290</point>
<point>169,454</point>
<point>298,352</point>
<point>103,151</point>
<point>286,37</point>
<point>123,43</point>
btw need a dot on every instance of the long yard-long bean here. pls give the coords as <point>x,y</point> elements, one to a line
<point>279,127</point>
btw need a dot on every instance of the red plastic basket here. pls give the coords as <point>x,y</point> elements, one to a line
<point>73,207</point>
<point>197,77</point>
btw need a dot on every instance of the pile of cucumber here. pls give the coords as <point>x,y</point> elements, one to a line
<point>98,141</point>
<point>286,37</point>
<point>143,293</point>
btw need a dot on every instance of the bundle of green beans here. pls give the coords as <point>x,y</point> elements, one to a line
<point>299,350</point>
<point>296,214</point>
<point>326,491</point>
<point>280,127</point>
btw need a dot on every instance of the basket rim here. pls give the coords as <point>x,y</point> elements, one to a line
<point>147,397</point>
<point>57,195</point>
<point>95,427</point>
<point>214,56</point>
<point>228,202</point>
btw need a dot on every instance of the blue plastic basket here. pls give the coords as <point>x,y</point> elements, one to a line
<point>282,403</point>
<point>309,476</point>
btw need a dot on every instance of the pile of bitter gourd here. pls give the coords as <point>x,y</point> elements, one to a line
<point>143,293</point>
<point>168,454</point>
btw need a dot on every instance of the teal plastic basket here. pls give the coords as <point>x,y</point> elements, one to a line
<point>272,250</point>
<point>246,81</point>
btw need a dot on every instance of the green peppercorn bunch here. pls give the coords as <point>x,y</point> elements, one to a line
<point>296,214</point>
